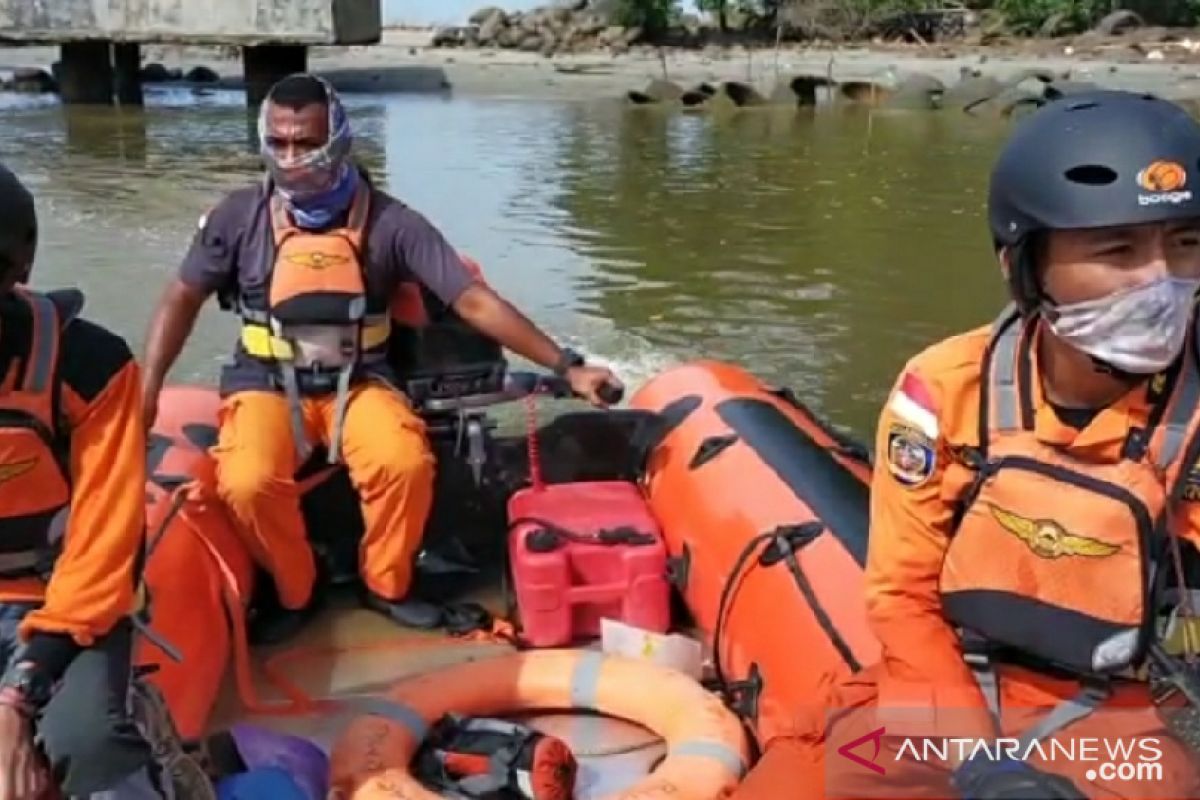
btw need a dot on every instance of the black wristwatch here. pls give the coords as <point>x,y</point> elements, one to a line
<point>567,360</point>
<point>29,681</point>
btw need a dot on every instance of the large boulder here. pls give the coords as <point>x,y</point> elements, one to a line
<point>31,80</point>
<point>491,27</point>
<point>485,13</point>
<point>971,91</point>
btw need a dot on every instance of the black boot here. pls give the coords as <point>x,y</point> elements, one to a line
<point>410,612</point>
<point>270,623</point>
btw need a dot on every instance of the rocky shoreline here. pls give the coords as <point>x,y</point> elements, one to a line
<point>38,80</point>
<point>975,93</point>
<point>406,60</point>
<point>573,27</point>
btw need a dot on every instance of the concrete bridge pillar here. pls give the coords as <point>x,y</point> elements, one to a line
<point>86,73</point>
<point>96,72</point>
<point>263,65</point>
<point>127,72</point>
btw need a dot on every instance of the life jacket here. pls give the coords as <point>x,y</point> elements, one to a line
<point>35,483</point>
<point>318,321</point>
<point>474,757</point>
<point>317,298</point>
<point>1056,558</point>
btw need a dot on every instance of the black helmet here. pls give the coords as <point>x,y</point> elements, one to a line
<point>1094,159</point>
<point>18,222</point>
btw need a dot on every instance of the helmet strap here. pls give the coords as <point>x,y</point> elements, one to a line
<point>1023,283</point>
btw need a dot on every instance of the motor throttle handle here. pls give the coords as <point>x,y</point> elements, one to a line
<point>610,393</point>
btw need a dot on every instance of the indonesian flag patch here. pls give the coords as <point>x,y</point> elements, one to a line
<point>912,402</point>
<point>912,435</point>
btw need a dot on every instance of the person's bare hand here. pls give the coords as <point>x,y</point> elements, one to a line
<point>22,775</point>
<point>588,383</point>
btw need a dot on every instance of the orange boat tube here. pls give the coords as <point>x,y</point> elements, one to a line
<point>765,513</point>
<point>195,561</point>
<point>707,747</point>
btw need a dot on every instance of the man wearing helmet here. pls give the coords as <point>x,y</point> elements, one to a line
<point>315,260</point>
<point>1031,495</point>
<point>72,527</point>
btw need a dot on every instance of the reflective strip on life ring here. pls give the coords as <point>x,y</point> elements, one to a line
<point>707,749</point>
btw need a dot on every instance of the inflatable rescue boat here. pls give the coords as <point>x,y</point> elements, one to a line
<point>726,493</point>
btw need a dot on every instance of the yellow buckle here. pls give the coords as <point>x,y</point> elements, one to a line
<point>259,342</point>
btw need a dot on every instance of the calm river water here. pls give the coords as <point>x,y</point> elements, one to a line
<point>820,250</point>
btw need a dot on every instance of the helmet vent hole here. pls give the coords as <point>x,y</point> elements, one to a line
<point>1081,105</point>
<point>1091,174</point>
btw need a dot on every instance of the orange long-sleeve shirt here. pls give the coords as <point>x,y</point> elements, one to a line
<point>938,393</point>
<point>93,582</point>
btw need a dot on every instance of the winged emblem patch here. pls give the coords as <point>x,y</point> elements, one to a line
<point>1048,539</point>
<point>317,260</point>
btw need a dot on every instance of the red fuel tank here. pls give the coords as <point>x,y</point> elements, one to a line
<point>584,551</point>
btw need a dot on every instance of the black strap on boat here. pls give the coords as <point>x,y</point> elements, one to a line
<point>776,545</point>
<point>549,536</point>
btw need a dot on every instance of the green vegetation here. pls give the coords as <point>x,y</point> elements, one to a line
<point>1020,17</point>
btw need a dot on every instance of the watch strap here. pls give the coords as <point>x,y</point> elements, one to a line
<point>567,360</point>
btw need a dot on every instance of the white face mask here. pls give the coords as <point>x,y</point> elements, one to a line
<point>1139,330</point>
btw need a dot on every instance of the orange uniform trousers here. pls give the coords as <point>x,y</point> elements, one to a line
<point>386,451</point>
<point>809,766</point>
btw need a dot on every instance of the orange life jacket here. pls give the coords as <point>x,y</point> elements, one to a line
<point>319,313</point>
<point>317,296</point>
<point>318,318</point>
<point>1054,556</point>
<point>35,484</point>
<point>1057,561</point>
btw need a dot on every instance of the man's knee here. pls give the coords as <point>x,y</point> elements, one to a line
<point>245,477</point>
<point>85,731</point>
<point>255,454</point>
<point>403,458</point>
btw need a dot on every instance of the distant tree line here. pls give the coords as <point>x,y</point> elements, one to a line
<point>1019,16</point>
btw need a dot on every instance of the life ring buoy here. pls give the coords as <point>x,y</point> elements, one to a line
<point>707,751</point>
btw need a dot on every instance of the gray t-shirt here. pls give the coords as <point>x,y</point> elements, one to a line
<point>234,240</point>
<point>233,246</point>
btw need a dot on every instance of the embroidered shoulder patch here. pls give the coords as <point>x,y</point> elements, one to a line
<point>911,455</point>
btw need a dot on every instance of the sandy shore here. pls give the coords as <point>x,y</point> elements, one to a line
<point>404,61</point>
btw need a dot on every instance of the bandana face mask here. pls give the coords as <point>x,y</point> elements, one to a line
<point>306,176</point>
<point>1139,330</point>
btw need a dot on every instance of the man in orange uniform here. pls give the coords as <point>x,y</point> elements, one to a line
<point>313,258</point>
<point>72,525</point>
<point>1016,565</point>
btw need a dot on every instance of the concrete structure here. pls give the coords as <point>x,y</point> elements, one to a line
<point>273,34</point>
<point>246,22</point>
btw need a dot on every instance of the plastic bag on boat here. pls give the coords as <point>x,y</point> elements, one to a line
<point>304,761</point>
<point>673,650</point>
<point>264,783</point>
